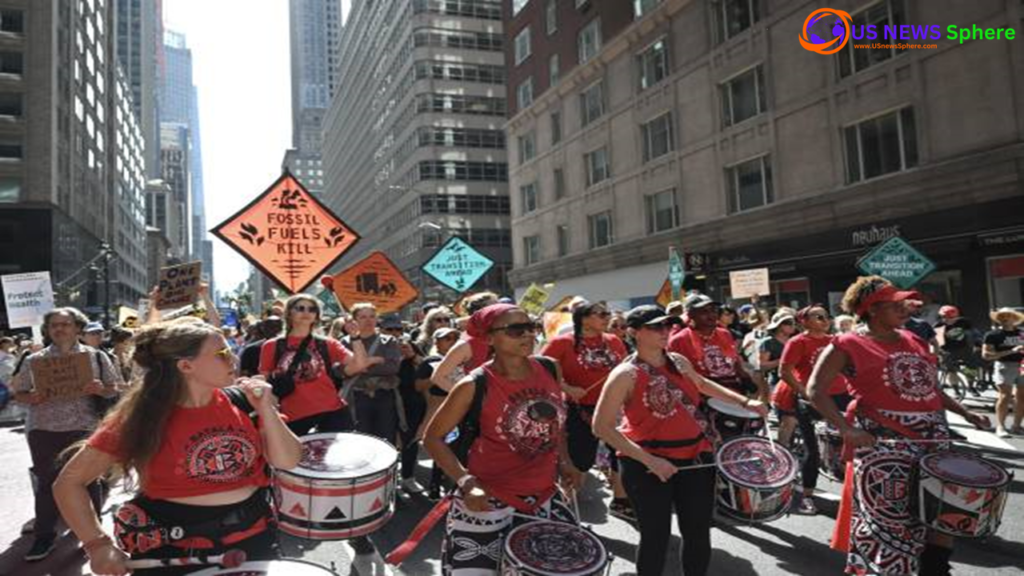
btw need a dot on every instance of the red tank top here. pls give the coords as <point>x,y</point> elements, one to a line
<point>898,376</point>
<point>802,352</point>
<point>588,365</point>
<point>714,357</point>
<point>657,419</point>
<point>521,423</point>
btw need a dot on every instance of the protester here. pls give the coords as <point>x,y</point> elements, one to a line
<point>120,346</point>
<point>892,378</point>
<point>444,339</point>
<point>433,320</point>
<point>957,341</point>
<point>199,459</point>
<point>266,329</point>
<point>471,351</point>
<point>373,393</point>
<point>92,335</point>
<point>728,319</point>
<point>781,328</point>
<point>54,424</point>
<point>513,463</point>
<point>414,403</point>
<point>919,327</point>
<point>844,324</point>
<point>1005,346</point>
<point>664,429</point>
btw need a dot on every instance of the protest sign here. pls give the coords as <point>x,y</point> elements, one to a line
<point>554,321</point>
<point>62,377</point>
<point>376,280</point>
<point>27,297</point>
<point>179,285</point>
<point>747,283</point>
<point>561,305</point>
<point>288,234</point>
<point>533,299</point>
<point>457,265</point>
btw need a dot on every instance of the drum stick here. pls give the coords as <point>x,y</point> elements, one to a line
<point>712,464</point>
<point>910,441</point>
<point>576,507</point>
<point>768,433</point>
<point>229,559</point>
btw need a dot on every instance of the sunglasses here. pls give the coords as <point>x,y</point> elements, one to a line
<point>449,337</point>
<point>818,317</point>
<point>399,330</point>
<point>303,308</point>
<point>517,330</point>
<point>443,319</point>
<point>602,314</point>
<point>225,354</point>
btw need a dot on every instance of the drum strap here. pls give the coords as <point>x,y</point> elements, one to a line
<point>877,417</point>
<point>399,554</point>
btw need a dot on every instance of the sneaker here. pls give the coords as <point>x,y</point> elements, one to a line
<point>411,486</point>
<point>40,549</point>
<point>1002,433</point>
<point>28,527</point>
<point>362,545</point>
<point>807,507</point>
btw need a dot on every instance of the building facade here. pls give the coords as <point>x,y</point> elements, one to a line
<point>414,150</point>
<point>139,30</point>
<point>174,163</point>
<point>705,126</point>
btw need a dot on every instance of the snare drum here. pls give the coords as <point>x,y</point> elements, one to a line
<point>731,421</point>
<point>544,548</point>
<point>756,482</point>
<point>343,487</point>
<point>272,568</point>
<point>830,449</point>
<point>961,494</point>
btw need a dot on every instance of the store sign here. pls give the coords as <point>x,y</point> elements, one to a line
<point>27,296</point>
<point>696,262</point>
<point>1001,239</point>
<point>457,265</point>
<point>748,283</point>
<point>898,262</point>
<point>873,235</point>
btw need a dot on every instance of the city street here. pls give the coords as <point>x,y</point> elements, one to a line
<point>791,545</point>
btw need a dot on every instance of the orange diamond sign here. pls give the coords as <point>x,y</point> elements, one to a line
<point>288,234</point>
<point>374,279</point>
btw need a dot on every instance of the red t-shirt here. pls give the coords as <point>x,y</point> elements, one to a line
<point>521,423</point>
<point>590,364</point>
<point>205,450</point>
<point>715,357</point>
<point>314,390</point>
<point>656,415</point>
<point>899,376</point>
<point>801,352</point>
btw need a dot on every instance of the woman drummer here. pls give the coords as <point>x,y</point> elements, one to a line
<point>515,462</point>
<point>896,416</point>
<point>663,432</point>
<point>200,460</point>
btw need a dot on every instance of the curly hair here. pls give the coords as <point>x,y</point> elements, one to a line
<point>861,288</point>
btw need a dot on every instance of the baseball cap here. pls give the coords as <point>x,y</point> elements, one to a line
<point>648,314</point>
<point>391,322</point>
<point>92,327</point>
<point>697,300</point>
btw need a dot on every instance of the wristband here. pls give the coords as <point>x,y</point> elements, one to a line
<point>96,543</point>
<point>461,482</point>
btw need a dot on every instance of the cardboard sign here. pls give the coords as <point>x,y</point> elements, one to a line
<point>533,300</point>
<point>747,283</point>
<point>457,265</point>
<point>127,317</point>
<point>664,297</point>
<point>62,377</point>
<point>179,285</point>
<point>377,280</point>
<point>27,297</point>
<point>288,234</point>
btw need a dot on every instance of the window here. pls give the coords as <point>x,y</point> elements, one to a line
<point>522,45</point>
<point>657,137</point>
<point>589,42</point>
<point>527,147</point>
<point>881,145</point>
<point>558,177</point>
<point>885,13</point>
<point>563,240</point>
<point>641,7</point>
<point>524,94</point>
<point>11,63</point>
<point>529,196</point>
<point>743,97</point>
<point>10,189</point>
<point>518,5</point>
<point>551,17</point>
<point>10,104</point>
<point>596,164</point>
<point>459,170</point>
<point>12,21</point>
<point>653,64</point>
<point>531,249</point>
<point>10,151</point>
<point>591,104</point>
<point>556,128</point>
<point>750,184</point>
<point>734,16</point>
<point>554,70</point>
<point>662,212</point>
<point>600,226</point>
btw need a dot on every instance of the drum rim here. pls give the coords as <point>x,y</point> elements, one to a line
<point>715,403</point>
<point>301,472</point>
<point>790,476</point>
<point>603,561</point>
<point>925,467</point>
<point>222,569</point>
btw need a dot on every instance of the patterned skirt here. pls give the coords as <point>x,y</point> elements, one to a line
<point>885,536</point>
<point>474,541</point>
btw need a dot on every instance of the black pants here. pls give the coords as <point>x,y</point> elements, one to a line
<point>580,434</point>
<point>46,448</point>
<point>333,421</point>
<point>414,414</point>
<point>691,494</point>
<point>376,415</point>
<point>806,416</point>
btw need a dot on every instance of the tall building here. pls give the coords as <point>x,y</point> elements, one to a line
<point>69,153</point>
<point>414,150</point>
<point>174,163</point>
<point>707,127</point>
<point>139,31</point>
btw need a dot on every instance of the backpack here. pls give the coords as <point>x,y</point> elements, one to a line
<point>321,347</point>
<point>469,428</point>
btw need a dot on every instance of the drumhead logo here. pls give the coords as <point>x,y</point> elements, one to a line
<point>912,377</point>
<point>834,25</point>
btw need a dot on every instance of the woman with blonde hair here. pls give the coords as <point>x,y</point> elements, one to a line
<point>437,318</point>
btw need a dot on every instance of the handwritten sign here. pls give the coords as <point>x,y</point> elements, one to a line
<point>457,265</point>
<point>27,296</point>
<point>179,285</point>
<point>62,377</point>
<point>288,234</point>
<point>747,283</point>
<point>533,299</point>
<point>377,280</point>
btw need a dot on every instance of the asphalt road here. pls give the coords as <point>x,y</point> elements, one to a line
<point>791,545</point>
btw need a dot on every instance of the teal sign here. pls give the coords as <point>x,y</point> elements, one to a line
<point>329,302</point>
<point>457,265</point>
<point>898,262</point>
<point>676,272</point>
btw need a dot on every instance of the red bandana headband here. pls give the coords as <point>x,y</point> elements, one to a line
<point>886,294</point>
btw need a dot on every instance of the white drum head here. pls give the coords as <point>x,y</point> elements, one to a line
<point>335,456</point>
<point>272,568</point>
<point>731,409</point>
<point>964,469</point>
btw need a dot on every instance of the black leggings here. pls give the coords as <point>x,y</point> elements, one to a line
<point>580,435</point>
<point>691,494</point>
<point>806,416</point>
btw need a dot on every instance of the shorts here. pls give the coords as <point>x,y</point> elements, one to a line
<point>1007,374</point>
<point>784,399</point>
